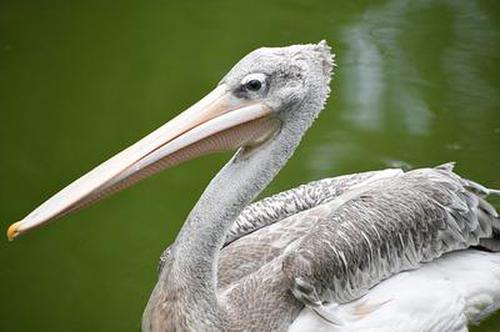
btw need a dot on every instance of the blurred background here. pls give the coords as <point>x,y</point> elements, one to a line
<point>417,84</point>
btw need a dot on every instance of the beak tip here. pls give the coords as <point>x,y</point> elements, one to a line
<point>13,231</point>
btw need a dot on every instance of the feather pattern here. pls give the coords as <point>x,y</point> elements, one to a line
<point>282,205</point>
<point>320,246</point>
<point>333,240</point>
<point>447,294</point>
<point>277,207</point>
<point>388,226</point>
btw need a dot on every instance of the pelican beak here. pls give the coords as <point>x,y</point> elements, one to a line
<point>218,122</point>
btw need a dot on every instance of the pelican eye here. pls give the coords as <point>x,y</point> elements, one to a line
<point>253,85</point>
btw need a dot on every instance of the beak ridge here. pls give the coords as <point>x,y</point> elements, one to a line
<point>218,113</point>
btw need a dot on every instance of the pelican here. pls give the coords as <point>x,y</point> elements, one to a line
<point>387,250</point>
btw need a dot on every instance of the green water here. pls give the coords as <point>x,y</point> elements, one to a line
<point>418,83</point>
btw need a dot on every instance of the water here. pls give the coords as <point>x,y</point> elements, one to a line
<point>418,83</point>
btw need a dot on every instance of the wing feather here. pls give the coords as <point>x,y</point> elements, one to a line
<point>448,294</point>
<point>287,203</point>
<point>408,219</point>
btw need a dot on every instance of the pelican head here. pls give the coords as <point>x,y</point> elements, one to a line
<point>250,105</point>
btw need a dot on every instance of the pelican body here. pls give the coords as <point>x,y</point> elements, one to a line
<point>338,254</point>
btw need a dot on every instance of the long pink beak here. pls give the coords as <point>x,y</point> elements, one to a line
<point>218,122</point>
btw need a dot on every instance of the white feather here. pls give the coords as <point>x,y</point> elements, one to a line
<point>444,295</point>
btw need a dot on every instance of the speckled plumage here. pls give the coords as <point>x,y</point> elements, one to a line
<point>237,266</point>
<point>385,227</point>
<point>422,214</point>
<point>290,202</point>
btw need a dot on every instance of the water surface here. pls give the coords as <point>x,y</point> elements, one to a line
<point>417,84</point>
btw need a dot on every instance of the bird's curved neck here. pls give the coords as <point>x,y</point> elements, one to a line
<point>201,238</point>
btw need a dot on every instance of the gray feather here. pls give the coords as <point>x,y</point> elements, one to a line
<point>391,225</point>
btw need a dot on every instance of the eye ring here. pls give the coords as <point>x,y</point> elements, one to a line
<point>253,85</point>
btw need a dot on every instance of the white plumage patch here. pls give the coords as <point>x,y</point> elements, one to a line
<point>444,295</point>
